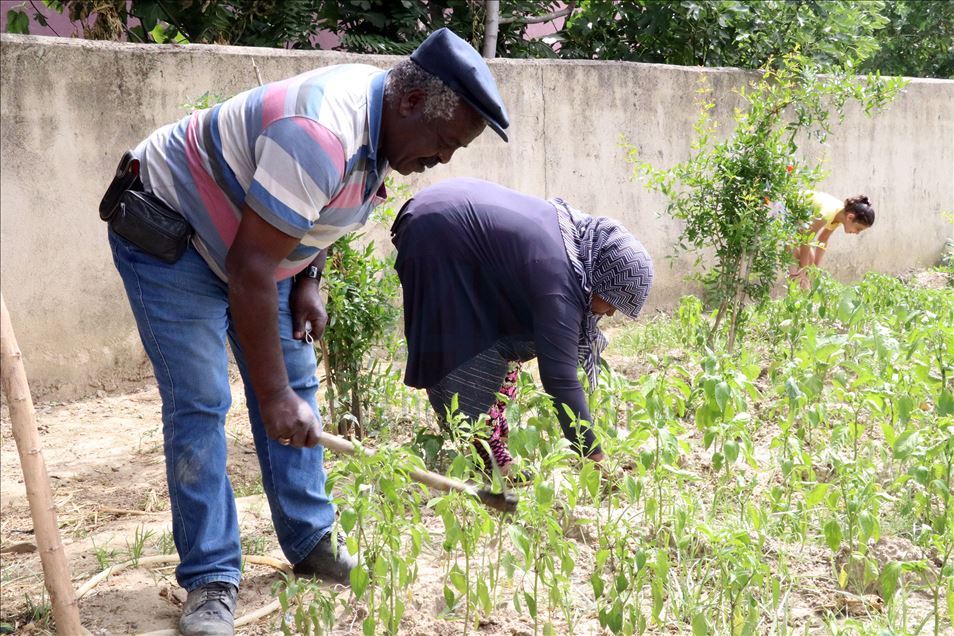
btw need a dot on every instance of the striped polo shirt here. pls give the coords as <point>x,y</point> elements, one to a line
<point>302,153</point>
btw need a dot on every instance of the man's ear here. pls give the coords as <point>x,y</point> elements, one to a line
<point>412,102</point>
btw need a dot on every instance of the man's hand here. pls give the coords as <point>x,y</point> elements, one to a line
<point>307,306</point>
<point>289,420</point>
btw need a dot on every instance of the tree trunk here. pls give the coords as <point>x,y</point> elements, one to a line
<point>739,297</point>
<point>56,571</point>
<point>329,380</point>
<point>491,27</point>
<point>356,409</point>
<point>718,320</point>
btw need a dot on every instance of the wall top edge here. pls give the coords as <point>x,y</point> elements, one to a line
<point>17,40</point>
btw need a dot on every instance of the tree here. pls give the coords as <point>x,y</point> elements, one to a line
<point>492,22</point>
<point>918,40</point>
<point>739,33</point>
<point>726,191</point>
<point>362,26</point>
<point>361,289</point>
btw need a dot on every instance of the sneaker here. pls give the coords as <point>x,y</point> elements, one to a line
<point>327,561</point>
<point>210,610</point>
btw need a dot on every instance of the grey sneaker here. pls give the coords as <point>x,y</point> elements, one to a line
<point>327,561</point>
<point>209,610</point>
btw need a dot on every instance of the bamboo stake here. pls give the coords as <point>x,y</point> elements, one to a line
<point>56,571</point>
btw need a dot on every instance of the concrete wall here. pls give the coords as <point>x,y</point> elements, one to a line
<point>69,107</point>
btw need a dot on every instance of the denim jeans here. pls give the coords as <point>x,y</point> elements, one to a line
<point>182,311</point>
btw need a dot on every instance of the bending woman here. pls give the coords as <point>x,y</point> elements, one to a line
<point>492,278</point>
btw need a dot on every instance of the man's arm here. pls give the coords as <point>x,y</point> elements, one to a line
<point>255,254</point>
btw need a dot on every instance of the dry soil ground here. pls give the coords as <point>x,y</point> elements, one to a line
<point>105,463</point>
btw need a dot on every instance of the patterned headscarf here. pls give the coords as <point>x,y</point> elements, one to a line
<point>609,262</point>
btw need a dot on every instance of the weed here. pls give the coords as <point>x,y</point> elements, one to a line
<point>249,488</point>
<point>104,557</point>
<point>165,542</point>
<point>137,547</point>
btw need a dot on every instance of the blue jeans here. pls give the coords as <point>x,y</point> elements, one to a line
<point>182,311</point>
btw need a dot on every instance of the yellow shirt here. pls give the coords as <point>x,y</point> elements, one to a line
<point>827,207</point>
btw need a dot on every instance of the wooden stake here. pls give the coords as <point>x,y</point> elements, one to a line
<point>56,571</point>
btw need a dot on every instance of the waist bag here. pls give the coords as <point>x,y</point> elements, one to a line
<point>141,217</point>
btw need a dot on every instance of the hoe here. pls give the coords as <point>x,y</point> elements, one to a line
<point>502,501</point>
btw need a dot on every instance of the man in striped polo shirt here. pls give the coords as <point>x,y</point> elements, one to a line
<point>268,180</point>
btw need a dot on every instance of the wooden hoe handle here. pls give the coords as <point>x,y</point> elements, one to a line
<point>505,502</point>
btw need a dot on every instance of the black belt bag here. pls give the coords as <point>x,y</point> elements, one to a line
<point>141,217</point>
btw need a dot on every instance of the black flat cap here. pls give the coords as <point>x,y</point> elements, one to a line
<point>456,63</point>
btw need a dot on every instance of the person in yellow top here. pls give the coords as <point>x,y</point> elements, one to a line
<point>855,214</point>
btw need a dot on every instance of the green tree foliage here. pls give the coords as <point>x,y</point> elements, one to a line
<point>724,32</point>
<point>363,26</point>
<point>918,40</point>
<point>893,37</point>
<point>17,22</point>
<point>723,192</point>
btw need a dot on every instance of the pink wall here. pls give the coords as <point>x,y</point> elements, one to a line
<point>59,22</point>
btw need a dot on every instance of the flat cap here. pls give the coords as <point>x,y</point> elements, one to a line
<point>456,63</point>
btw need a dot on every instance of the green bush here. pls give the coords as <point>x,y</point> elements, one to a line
<point>362,315</point>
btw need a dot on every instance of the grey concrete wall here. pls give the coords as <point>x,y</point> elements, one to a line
<point>69,107</point>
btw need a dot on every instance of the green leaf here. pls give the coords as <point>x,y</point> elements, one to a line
<point>700,626</point>
<point>614,618</point>
<point>359,580</point>
<point>531,602</point>
<point>722,393</point>
<point>905,408</point>
<point>18,22</point>
<point>458,580</point>
<point>906,443</point>
<point>833,535</point>
<point>483,596</point>
<point>950,600</point>
<point>544,494</point>
<point>520,541</point>
<point>622,583</point>
<point>921,474</point>
<point>348,519</point>
<point>640,559</point>
<point>731,450</point>
<point>945,404</point>
<point>890,576</point>
<point>646,458</point>
<point>596,582</point>
<point>816,495</point>
<point>869,525</point>
<point>656,587</point>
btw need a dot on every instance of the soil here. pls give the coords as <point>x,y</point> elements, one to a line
<point>104,458</point>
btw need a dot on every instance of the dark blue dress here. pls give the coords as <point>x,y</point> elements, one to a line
<point>479,262</point>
